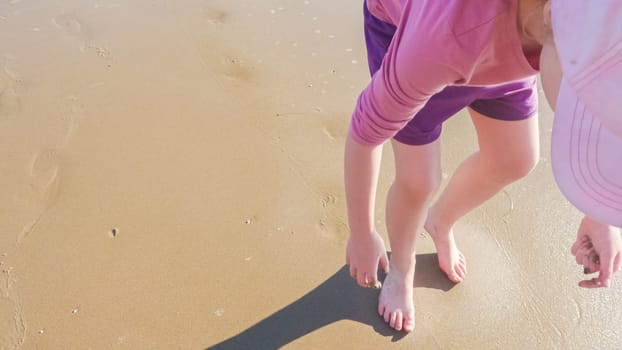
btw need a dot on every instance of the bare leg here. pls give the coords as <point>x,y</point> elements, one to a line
<point>417,177</point>
<point>509,150</point>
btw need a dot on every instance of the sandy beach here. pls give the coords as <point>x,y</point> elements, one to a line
<point>172,175</point>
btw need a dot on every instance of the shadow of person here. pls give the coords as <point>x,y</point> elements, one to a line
<point>338,298</point>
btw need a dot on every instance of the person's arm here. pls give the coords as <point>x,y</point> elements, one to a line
<point>422,59</point>
<point>420,62</point>
<point>365,250</point>
<point>599,249</point>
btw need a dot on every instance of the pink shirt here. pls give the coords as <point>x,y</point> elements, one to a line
<point>437,43</point>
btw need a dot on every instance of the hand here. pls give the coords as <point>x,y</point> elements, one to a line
<point>364,253</point>
<point>599,249</point>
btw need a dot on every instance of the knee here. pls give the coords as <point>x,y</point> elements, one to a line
<point>421,189</point>
<point>516,167</point>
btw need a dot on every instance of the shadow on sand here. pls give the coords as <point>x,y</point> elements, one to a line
<point>338,298</point>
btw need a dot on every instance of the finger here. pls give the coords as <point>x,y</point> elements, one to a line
<point>616,263</point>
<point>585,248</point>
<point>590,262</point>
<point>592,283</point>
<point>362,279</point>
<point>606,268</point>
<point>583,256</point>
<point>593,261</point>
<point>575,247</point>
<point>587,244</point>
<point>366,281</point>
<point>595,257</point>
<point>585,260</point>
<point>580,254</point>
<point>384,263</point>
<point>373,281</point>
<point>352,271</point>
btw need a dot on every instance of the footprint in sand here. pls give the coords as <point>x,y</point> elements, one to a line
<point>45,179</point>
<point>335,128</point>
<point>215,16</point>
<point>8,71</point>
<point>330,224</point>
<point>63,125</point>
<point>44,172</point>
<point>333,228</point>
<point>72,26</point>
<point>229,67</point>
<point>69,120</point>
<point>42,189</point>
<point>11,315</point>
<point>216,57</point>
<point>328,201</point>
<point>9,102</point>
<point>236,69</point>
<point>10,84</point>
<point>76,28</point>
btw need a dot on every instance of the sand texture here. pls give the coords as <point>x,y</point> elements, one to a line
<point>172,179</point>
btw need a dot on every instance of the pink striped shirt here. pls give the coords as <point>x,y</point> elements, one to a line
<point>437,43</point>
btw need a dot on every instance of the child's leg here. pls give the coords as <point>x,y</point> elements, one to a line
<point>509,150</point>
<point>417,177</point>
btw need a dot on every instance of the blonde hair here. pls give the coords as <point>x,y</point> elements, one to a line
<point>538,10</point>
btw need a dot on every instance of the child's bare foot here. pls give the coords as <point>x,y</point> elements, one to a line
<point>450,259</point>
<point>396,301</point>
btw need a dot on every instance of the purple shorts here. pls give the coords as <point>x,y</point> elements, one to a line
<point>517,100</point>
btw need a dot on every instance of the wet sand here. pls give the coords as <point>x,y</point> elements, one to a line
<point>208,135</point>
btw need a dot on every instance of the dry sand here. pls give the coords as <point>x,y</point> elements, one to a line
<point>209,135</point>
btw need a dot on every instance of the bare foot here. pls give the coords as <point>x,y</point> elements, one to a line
<point>396,301</point>
<point>450,259</point>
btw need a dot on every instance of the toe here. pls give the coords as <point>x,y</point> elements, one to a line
<point>399,318</point>
<point>380,309</point>
<point>461,270</point>
<point>408,324</point>
<point>454,276</point>
<point>393,319</point>
<point>387,316</point>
